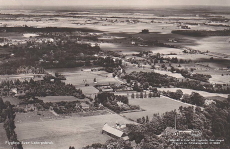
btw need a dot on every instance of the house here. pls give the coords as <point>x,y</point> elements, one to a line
<point>114,132</point>
<point>145,31</point>
<point>84,105</point>
<point>169,131</point>
<point>20,94</point>
<point>106,88</point>
<point>28,107</point>
<point>175,132</point>
<point>185,27</point>
<point>14,90</point>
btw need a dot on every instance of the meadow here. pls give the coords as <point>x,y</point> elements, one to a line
<point>12,100</point>
<point>74,131</point>
<point>153,105</point>
<point>79,78</point>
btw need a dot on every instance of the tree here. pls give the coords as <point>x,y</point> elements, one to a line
<point>145,85</point>
<point>143,119</point>
<point>141,95</point>
<point>197,99</point>
<point>150,95</point>
<point>136,87</point>
<point>145,95</point>
<point>2,105</point>
<point>137,95</point>
<point>132,95</point>
<point>179,94</point>
<point>147,119</point>
<point>135,135</point>
<point>186,98</point>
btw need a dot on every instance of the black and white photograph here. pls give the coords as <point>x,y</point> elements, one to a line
<point>114,74</point>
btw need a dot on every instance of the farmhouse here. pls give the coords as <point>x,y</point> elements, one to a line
<point>84,105</point>
<point>145,31</point>
<point>114,132</point>
<point>173,131</point>
<point>169,131</point>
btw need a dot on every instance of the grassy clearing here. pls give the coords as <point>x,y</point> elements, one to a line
<point>89,90</point>
<point>169,73</point>
<point>34,117</point>
<point>12,100</point>
<point>74,131</point>
<point>76,77</point>
<point>219,79</point>
<point>153,105</point>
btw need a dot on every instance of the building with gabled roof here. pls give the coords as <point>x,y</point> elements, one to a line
<point>114,132</point>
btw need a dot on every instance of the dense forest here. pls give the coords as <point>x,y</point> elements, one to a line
<point>46,87</point>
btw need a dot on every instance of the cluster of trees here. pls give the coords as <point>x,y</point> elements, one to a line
<point>66,107</point>
<point>175,95</point>
<point>58,88</point>
<point>158,57</point>
<point>145,95</point>
<point>194,98</point>
<point>143,120</point>
<point>42,88</point>
<point>109,63</point>
<point>64,51</point>
<point>196,76</point>
<point>159,80</point>
<point>110,101</point>
<point>7,115</point>
<point>202,33</point>
<point>12,67</point>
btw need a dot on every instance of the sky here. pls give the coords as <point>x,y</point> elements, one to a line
<point>145,3</point>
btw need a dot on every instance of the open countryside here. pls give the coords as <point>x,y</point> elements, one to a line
<point>95,77</point>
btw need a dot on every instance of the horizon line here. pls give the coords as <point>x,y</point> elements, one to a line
<point>116,6</point>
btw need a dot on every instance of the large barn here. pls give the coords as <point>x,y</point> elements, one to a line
<point>114,132</point>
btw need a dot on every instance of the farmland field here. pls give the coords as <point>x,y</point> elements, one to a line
<point>153,105</point>
<point>12,100</point>
<point>79,78</point>
<point>74,131</point>
<point>89,90</point>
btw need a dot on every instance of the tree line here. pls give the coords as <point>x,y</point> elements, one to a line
<point>7,116</point>
<point>159,80</point>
